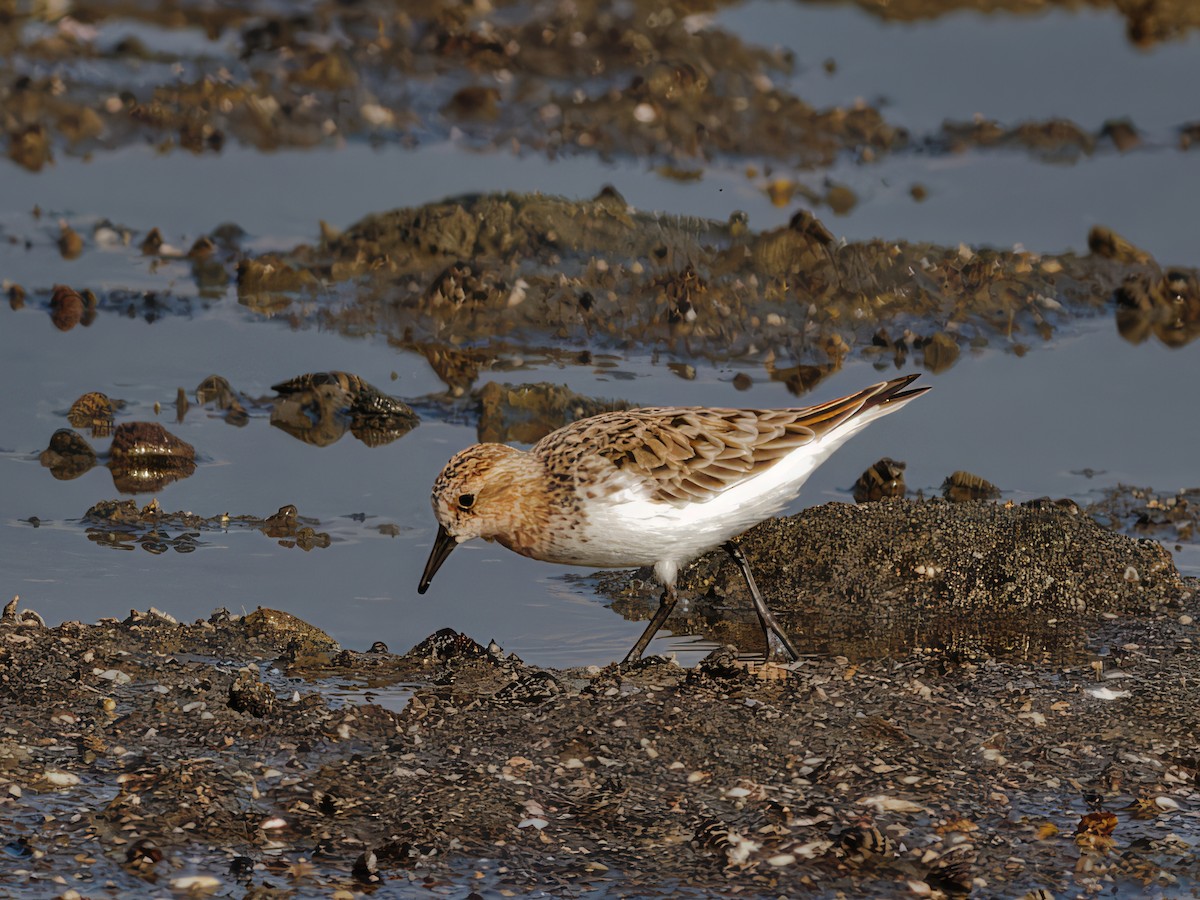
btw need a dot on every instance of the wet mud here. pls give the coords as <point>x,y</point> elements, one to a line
<point>972,580</point>
<point>472,282</point>
<point>1145,23</point>
<point>598,275</point>
<point>141,752</point>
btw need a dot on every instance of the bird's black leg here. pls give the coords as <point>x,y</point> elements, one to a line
<point>770,625</point>
<point>666,603</point>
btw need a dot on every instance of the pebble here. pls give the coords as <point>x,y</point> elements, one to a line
<point>59,778</point>
<point>195,884</point>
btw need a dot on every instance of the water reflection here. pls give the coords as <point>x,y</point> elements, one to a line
<point>1163,306</point>
<point>122,525</point>
<point>69,308</point>
<point>144,457</point>
<point>316,408</point>
<point>319,408</point>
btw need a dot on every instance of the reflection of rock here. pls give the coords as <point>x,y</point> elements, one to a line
<point>263,283</point>
<point>884,479</point>
<point>801,379</point>
<point>940,352</point>
<point>283,523</point>
<point>1052,139</point>
<point>216,390</point>
<point>146,457</point>
<point>377,418</point>
<point>1167,307</point>
<point>962,487</point>
<point>315,416</point>
<point>68,455</point>
<point>526,413</point>
<point>94,411</point>
<point>181,405</point>
<point>319,407</point>
<point>210,276</point>
<point>1105,242</point>
<point>886,578</point>
<point>375,431</point>
<point>66,308</point>
<point>123,525</point>
<point>457,368</point>
<point>30,147</point>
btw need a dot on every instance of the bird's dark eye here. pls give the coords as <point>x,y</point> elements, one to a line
<point>466,501</point>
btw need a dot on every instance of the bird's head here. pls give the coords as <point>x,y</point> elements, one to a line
<point>473,497</point>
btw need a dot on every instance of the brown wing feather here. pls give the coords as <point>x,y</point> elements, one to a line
<point>690,453</point>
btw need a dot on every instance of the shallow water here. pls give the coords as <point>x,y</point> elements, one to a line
<point>1089,401</point>
<point>1024,423</point>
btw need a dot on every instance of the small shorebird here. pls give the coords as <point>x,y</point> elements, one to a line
<point>657,486</point>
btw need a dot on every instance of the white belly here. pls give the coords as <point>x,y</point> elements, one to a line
<point>630,529</point>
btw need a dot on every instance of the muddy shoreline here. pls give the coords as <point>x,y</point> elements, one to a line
<point>146,751</point>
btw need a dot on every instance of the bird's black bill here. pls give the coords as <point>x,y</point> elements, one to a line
<point>442,545</point>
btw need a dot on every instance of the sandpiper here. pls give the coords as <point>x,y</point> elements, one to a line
<point>657,486</point>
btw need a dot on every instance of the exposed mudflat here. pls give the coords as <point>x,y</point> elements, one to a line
<point>973,580</point>
<point>470,281</point>
<point>651,80</point>
<point>146,751</point>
